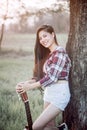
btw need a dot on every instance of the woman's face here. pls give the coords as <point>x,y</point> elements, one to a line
<point>46,39</point>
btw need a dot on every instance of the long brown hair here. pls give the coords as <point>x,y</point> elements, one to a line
<point>41,53</point>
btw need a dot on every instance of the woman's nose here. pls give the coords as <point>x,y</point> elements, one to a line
<point>42,40</point>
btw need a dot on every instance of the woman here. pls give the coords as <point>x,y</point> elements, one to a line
<point>52,66</point>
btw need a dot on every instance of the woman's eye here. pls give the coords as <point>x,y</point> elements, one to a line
<point>44,36</point>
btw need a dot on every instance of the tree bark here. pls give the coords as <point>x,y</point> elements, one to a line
<point>75,114</point>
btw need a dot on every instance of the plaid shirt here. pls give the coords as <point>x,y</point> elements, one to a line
<point>57,67</point>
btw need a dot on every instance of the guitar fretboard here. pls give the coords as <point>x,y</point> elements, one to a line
<point>28,114</point>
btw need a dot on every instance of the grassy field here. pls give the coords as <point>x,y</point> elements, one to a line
<point>16,64</point>
<point>12,112</point>
<point>26,41</point>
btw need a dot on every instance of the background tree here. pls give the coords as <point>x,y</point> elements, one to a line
<point>3,24</point>
<point>18,12</point>
<point>76,113</point>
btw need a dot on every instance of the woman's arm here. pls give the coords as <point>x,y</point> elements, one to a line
<point>25,86</point>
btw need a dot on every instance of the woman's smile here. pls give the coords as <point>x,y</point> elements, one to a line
<point>45,43</point>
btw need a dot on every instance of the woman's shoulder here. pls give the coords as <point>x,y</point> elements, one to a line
<point>57,51</point>
<point>60,49</point>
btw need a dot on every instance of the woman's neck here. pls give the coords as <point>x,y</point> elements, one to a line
<point>53,47</point>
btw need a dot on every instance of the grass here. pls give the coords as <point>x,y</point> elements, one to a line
<point>12,110</point>
<point>19,42</point>
<point>16,65</point>
<point>26,41</point>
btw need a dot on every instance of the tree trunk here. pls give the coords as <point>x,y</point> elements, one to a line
<point>3,25</point>
<point>1,35</point>
<point>75,114</point>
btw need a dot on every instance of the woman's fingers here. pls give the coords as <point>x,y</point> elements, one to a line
<point>19,88</point>
<point>22,86</point>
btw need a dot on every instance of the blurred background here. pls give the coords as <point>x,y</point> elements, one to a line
<point>19,20</point>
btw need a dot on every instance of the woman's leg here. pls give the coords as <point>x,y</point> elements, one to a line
<point>47,115</point>
<point>46,104</point>
<point>52,122</point>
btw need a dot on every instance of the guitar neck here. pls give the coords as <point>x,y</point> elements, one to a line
<point>28,114</point>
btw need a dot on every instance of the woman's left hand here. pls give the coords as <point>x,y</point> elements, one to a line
<point>22,87</point>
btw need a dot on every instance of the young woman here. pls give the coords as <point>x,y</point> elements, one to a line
<point>52,66</point>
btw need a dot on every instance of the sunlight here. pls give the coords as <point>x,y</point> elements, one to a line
<point>13,9</point>
<point>39,3</point>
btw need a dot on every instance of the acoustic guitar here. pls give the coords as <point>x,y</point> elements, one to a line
<point>24,98</point>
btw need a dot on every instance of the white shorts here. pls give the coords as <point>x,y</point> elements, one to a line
<point>58,94</point>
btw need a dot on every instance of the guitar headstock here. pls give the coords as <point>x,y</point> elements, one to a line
<point>24,96</point>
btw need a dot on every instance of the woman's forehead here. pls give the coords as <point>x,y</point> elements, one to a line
<point>43,32</point>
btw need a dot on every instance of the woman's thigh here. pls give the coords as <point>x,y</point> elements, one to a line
<point>46,104</point>
<point>47,115</point>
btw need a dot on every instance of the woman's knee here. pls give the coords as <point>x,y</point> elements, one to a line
<point>37,126</point>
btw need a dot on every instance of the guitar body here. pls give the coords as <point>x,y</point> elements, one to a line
<point>24,98</point>
<point>26,128</point>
